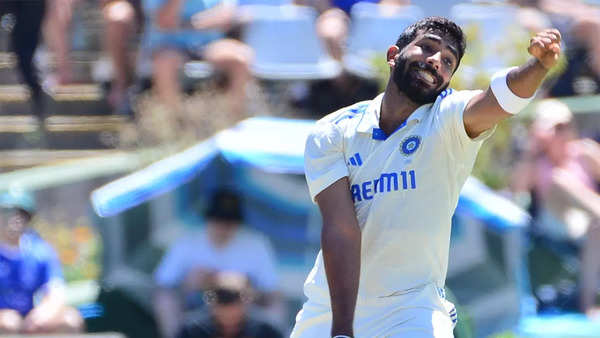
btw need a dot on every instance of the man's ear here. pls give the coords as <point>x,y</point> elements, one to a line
<point>391,55</point>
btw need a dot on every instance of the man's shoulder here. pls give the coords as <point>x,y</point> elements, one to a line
<point>344,115</point>
<point>33,245</point>
<point>198,325</point>
<point>190,239</point>
<point>251,237</point>
<point>450,97</point>
<point>258,326</point>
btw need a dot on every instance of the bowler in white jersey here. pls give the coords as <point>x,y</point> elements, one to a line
<point>386,175</point>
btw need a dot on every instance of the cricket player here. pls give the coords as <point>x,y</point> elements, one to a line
<point>386,175</point>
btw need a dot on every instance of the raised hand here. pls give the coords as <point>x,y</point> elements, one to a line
<point>545,46</point>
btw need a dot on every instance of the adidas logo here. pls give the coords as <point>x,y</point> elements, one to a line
<point>355,160</point>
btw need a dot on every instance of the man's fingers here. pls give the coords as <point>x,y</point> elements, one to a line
<point>536,51</point>
<point>550,36</point>
<point>554,32</point>
<point>540,42</point>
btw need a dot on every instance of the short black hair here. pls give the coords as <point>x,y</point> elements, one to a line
<point>435,24</point>
<point>225,205</point>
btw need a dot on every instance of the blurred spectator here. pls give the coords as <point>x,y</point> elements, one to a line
<point>562,172</point>
<point>333,23</point>
<point>122,18</point>
<point>196,28</point>
<point>580,24</point>
<point>322,97</point>
<point>32,291</point>
<point>229,316</point>
<point>192,263</point>
<point>25,37</point>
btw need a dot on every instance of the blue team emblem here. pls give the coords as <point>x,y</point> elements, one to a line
<point>410,144</point>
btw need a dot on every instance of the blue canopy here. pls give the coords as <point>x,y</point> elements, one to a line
<point>273,145</point>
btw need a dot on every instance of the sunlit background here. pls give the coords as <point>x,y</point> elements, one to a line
<point>121,119</point>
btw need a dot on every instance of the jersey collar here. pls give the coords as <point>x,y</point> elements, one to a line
<point>370,119</point>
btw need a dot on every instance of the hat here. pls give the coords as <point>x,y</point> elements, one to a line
<point>550,113</point>
<point>225,205</point>
<point>18,200</point>
<point>229,287</point>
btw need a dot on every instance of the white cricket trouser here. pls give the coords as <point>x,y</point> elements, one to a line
<point>423,313</point>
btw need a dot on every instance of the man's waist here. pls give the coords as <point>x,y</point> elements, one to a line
<point>320,294</point>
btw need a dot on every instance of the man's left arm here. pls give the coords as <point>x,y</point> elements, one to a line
<point>485,110</point>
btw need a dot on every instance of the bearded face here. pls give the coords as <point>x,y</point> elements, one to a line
<point>418,80</point>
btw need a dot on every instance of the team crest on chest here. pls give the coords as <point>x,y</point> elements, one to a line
<point>409,145</point>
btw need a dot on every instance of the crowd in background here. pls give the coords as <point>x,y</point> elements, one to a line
<point>558,170</point>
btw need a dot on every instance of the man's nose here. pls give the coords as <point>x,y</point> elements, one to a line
<point>435,60</point>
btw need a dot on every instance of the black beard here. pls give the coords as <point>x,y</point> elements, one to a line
<point>411,86</point>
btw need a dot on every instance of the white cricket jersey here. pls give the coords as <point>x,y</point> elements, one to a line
<point>405,188</point>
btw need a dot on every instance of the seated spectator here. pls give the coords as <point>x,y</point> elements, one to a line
<point>122,19</point>
<point>325,96</point>
<point>228,317</point>
<point>192,263</point>
<point>181,29</point>
<point>32,291</point>
<point>562,173</point>
<point>333,23</point>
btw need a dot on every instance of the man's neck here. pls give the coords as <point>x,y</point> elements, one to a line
<point>396,107</point>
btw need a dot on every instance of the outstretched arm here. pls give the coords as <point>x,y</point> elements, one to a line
<point>340,241</point>
<point>484,111</point>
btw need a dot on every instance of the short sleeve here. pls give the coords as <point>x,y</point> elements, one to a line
<point>324,161</point>
<point>172,268</point>
<point>54,280</point>
<point>452,108</point>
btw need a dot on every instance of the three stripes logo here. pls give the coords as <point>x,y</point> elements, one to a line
<point>453,316</point>
<point>355,160</point>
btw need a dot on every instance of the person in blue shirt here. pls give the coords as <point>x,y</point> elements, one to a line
<point>181,29</point>
<point>32,297</point>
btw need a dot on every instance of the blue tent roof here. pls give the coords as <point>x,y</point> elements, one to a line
<point>274,145</point>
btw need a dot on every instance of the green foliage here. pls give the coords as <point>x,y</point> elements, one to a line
<point>76,242</point>
<point>506,334</point>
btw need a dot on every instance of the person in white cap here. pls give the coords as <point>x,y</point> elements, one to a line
<point>386,175</point>
<point>229,297</point>
<point>562,170</point>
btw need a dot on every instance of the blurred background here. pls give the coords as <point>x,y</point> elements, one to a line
<point>155,147</point>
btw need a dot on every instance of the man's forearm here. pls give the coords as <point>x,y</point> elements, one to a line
<point>167,310</point>
<point>341,254</point>
<point>527,78</point>
<point>583,196</point>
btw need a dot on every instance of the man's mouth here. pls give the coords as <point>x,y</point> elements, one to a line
<point>426,76</point>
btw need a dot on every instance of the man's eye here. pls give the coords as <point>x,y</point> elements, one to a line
<point>427,48</point>
<point>448,62</point>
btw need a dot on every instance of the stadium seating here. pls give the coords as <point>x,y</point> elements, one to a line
<point>286,45</point>
<point>374,28</point>
<point>494,25</point>
<point>80,123</point>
